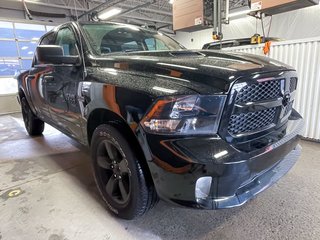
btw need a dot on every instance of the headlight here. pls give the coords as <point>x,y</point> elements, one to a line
<point>185,115</point>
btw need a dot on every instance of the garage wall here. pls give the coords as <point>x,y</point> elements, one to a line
<point>304,56</point>
<point>303,23</point>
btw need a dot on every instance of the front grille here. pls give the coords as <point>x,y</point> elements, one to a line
<point>248,122</point>
<point>259,92</point>
<point>251,112</point>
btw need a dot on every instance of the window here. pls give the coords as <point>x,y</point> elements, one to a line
<point>26,64</point>
<point>17,45</point>
<point>6,30</point>
<point>155,44</point>
<point>131,46</point>
<point>66,39</point>
<point>29,31</point>
<point>48,39</point>
<point>107,38</point>
<point>8,49</point>
<point>9,67</point>
<point>27,49</point>
<point>49,28</point>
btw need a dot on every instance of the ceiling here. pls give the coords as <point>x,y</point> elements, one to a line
<point>157,13</point>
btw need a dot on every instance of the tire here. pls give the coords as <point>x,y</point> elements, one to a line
<point>118,174</point>
<point>34,125</point>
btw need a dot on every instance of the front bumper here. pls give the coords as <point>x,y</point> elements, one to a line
<point>237,175</point>
<point>258,183</point>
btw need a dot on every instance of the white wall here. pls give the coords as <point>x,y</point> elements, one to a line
<point>302,23</point>
<point>304,56</point>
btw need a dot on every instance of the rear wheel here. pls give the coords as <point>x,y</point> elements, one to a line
<point>34,125</point>
<point>118,174</point>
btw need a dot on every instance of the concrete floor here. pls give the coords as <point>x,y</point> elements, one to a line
<point>47,192</point>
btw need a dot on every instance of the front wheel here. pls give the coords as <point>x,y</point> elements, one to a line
<point>34,125</point>
<point>118,174</point>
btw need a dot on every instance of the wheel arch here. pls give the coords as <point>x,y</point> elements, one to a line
<point>21,93</point>
<point>104,116</point>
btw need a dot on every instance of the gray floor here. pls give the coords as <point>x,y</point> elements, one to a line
<point>47,192</point>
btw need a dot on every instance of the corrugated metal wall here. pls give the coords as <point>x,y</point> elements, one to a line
<point>304,56</point>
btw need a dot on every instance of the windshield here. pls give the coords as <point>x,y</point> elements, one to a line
<point>108,38</point>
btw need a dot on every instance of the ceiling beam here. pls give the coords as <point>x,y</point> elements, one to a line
<point>151,10</point>
<point>52,5</point>
<point>136,8</point>
<point>147,19</point>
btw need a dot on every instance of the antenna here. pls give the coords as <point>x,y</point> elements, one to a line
<point>81,45</point>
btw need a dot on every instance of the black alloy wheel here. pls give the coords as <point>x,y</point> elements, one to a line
<point>120,179</point>
<point>114,171</point>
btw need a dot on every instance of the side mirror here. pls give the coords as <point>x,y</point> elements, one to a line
<point>53,54</point>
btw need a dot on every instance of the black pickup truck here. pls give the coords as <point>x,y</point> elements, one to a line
<point>201,129</point>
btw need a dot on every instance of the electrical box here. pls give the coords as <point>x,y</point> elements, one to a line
<point>191,15</point>
<point>272,7</point>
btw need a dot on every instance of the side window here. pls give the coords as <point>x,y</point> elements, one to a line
<point>131,46</point>
<point>48,39</point>
<point>66,39</point>
<point>151,43</point>
<point>155,44</point>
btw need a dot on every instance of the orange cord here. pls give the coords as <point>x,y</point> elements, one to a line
<point>266,48</point>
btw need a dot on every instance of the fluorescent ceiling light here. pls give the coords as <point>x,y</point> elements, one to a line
<point>177,66</point>
<point>218,67</point>
<point>180,79</point>
<point>239,13</point>
<point>166,90</point>
<point>220,154</point>
<point>171,1</point>
<point>108,13</point>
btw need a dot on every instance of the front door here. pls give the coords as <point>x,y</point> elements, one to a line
<point>35,82</point>
<point>61,87</point>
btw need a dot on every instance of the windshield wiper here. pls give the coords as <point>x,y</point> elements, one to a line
<point>124,51</point>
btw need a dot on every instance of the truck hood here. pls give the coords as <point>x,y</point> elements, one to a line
<point>198,70</point>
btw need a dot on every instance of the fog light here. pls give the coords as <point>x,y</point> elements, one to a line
<point>203,186</point>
